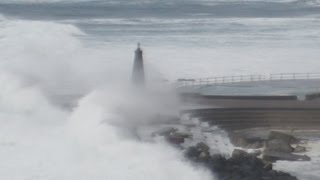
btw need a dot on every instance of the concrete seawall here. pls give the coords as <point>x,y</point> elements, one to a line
<point>243,112</point>
<point>243,118</point>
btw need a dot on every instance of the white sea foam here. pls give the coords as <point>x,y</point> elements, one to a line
<point>309,170</point>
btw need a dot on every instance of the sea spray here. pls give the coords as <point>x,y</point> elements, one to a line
<point>92,140</point>
<point>92,124</point>
<point>88,144</point>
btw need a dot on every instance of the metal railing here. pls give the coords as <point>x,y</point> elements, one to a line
<point>246,78</point>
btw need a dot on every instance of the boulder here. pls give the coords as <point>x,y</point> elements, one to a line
<point>241,166</point>
<point>192,153</point>
<point>268,166</point>
<point>200,152</point>
<point>300,149</point>
<point>173,136</point>
<point>203,147</point>
<point>282,136</point>
<point>256,153</point>
<point>278,145</point>
<point>255,145</point>
<point>175,139</point>
<point>245,166</point>
<point>238,141</point>
<point>165,131</point>
<point>273,156</point>
<point>238,153</point>
<point>249,143</point>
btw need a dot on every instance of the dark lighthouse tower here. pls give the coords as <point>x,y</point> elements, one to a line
<point>138,78</point>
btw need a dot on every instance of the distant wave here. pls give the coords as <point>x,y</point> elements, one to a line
<point>80,9</point>
<point>309,2</point>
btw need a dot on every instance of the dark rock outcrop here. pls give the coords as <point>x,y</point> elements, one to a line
<point>241,166</point>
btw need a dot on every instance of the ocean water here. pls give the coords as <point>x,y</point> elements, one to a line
<point>84,48</point>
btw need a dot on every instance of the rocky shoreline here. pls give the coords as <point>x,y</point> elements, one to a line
<point>277,146</point>
<point>243,165</point>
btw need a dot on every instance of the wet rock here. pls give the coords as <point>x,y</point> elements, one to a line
<point>165,131</point>
<point>268,166</point>
<point>244,166</point>
<point>238,153</point>
<point>200,152</point>
<point>300,149</point>
<point>256,153</point>
<point>278,145</point>
<point>192,153</point>
<point>241,166</point>
<point>173,136</point>
<point>248,143</point>
<point>282,136</point>
<point>175,139</point>
<point>203,147</point>
<point>273,156</point>
<point>238,141</point>
<point>255,145</point>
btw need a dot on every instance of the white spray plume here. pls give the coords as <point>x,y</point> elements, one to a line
<point>39,140</point>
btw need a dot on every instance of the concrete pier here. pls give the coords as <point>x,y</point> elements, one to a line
<point>287,104</point>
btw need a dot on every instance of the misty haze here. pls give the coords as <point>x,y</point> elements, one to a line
<point>159,89</point>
